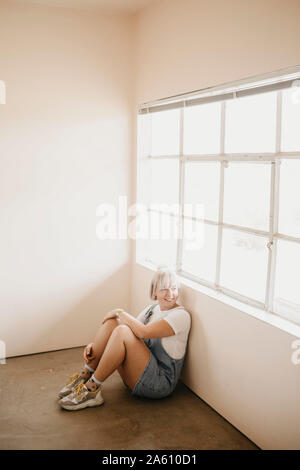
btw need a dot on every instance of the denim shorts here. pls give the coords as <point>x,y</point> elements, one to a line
<point>153,383</point>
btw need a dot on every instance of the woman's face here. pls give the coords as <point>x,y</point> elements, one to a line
<point>167,297</point>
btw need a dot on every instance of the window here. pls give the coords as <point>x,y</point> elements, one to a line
<point>250,124</point>
<point>218,173</point>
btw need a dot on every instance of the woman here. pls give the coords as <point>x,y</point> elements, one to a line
<point>148,351</point>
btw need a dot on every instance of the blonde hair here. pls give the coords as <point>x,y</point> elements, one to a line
<point>163,278</point>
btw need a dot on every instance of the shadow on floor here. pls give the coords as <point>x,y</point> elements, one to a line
<point>31,417</point>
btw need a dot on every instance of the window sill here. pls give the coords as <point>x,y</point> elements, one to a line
<point>266,317</point>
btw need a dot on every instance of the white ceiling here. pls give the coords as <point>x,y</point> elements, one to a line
<point>107,6</point>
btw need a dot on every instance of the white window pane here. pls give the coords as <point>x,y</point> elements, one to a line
<point>290,134</point>
<point>250,124</point>
<point>202,182</point>
<point>163,181</point>
<point>247,195</point>
<point>165,132</point>
<point>143,135</point>
<point>287,292</point>
<point>143,181</point>
<point>157,252</point>
<point>289,198</point>
<point>202,129</point>
<point>200,260</point>
<point>160,246</point>
<point>244,261</point>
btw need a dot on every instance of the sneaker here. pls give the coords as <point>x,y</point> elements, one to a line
<point>81,397</point>
<point>71,383</point>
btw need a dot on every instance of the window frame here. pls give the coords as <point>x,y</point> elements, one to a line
<point>224,158</point>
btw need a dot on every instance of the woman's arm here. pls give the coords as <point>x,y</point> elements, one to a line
<point>158,329</point>
<point>125,318</point>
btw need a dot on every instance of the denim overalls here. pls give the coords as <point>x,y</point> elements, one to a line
<point>161,375</point>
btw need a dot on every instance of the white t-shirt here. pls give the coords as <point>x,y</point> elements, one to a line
<point>180,321</point>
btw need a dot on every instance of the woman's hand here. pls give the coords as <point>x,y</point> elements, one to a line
<point>112,314</point>
<point>88,352</point>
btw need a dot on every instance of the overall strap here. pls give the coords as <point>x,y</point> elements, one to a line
<point>148,314</point>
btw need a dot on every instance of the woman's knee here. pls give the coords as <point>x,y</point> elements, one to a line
<point>106,329</point>
<point>111,323</point>
<point>123,330</point>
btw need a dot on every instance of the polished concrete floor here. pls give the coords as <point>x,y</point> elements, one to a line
<point>31,418</point>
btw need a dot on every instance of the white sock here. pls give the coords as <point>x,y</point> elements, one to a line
<point>89,368</point>
<point>96,381</point>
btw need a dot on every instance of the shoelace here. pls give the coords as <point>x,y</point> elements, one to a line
<point>72,378</point>
<point>79,389</point>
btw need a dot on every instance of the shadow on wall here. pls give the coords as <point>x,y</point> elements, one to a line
<point>197,348</point>
<point>78,325</point>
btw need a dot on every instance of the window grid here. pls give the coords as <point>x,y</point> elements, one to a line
<point>221,195</point>
<point>181,193</point>
<point>273,158</point>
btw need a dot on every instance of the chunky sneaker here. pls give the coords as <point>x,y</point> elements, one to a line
<point>81,397</point>
<point>72,382</point>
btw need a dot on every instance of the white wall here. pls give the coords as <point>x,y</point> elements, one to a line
<point>238,364</point>
<point>65,147</point>
<point>185,46</point>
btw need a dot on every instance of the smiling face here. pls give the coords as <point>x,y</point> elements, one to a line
<point>167,297</point>
<point>165,288</point>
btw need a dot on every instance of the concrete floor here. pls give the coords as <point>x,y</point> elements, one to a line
<point>31,418</point>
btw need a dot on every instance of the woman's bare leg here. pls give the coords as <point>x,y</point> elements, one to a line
<point>122,347</point>
<point>100,343</point>
<point>101,340</point>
